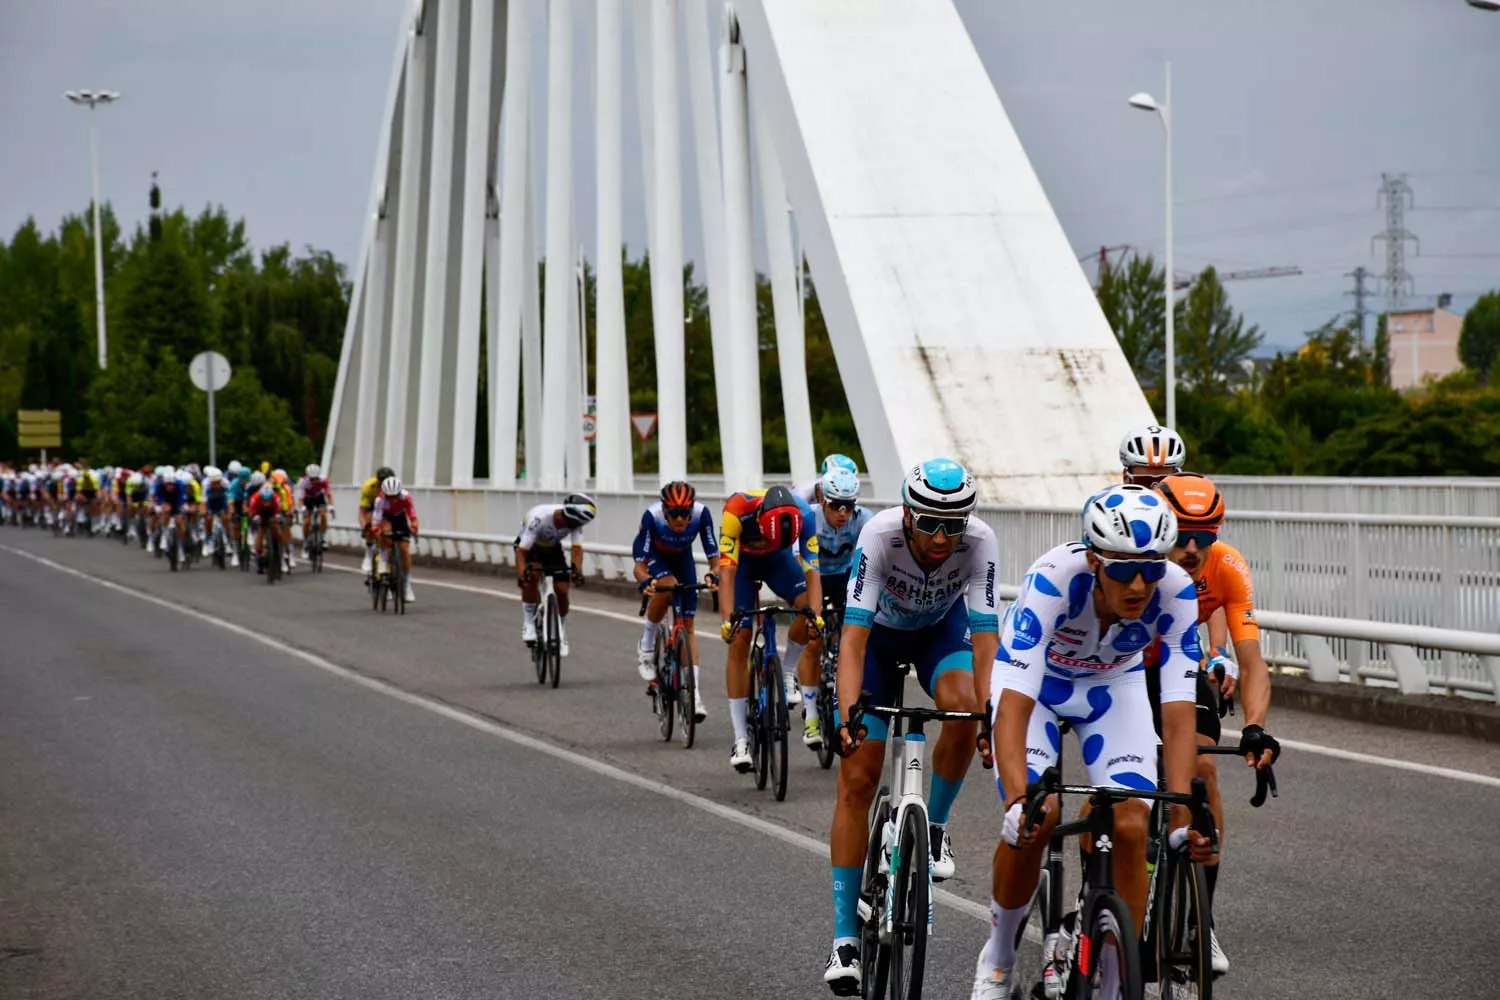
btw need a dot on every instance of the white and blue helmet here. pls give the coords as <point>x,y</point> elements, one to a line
<point>838,460</point>
<point>940,486</point>
<point>840,484</point>
<point>1130,520</point>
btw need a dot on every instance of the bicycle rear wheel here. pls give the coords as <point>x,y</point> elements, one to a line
<point>687,690</point>
<point>911,905</point>
<point>554,641</point>
<point>171,538</point>
<point>398,583</point>
<point>779,724</point>
<point>759,716</point>
<point>1106,948</point>
<point>666,686</point>
<point>1182,949</point>
<point>827,717</point>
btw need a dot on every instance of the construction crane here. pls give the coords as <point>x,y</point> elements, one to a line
<point>1250,275</point>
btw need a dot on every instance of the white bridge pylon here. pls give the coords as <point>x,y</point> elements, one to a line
<point>960,319</point>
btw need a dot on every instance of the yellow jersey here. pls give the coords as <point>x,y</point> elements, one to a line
<point>368,493</point>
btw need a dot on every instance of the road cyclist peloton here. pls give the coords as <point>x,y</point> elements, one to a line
<point>766,537</point>
<point>367,494</point>
<point>663,552</point>
<point>1226,604</point>
<point>393,520</point>
<point>539,550</point>
<point>1071,650</point>
<point>922,591</point>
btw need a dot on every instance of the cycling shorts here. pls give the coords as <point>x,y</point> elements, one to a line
<point>835,588</point>
<point>314,502</point>
<point>679,566</point>
<point>173,503</point>
<point>933,651</point>
<point>1111,714</point>
<point>1208,704</point>
<point>551,561</point>
<point>781,571</point>
<point>216,504</point>
<point>400,527</point>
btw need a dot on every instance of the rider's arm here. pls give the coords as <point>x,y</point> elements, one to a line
<point>851,669</point>
<point>1244,630</point>
<point>984,606</point>
<point>1181,659</point>
<point>1012,718</point>
<point>640,549</point>
<point>729,557</point>
<point>707,536</point>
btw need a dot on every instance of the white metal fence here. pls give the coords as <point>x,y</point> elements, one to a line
<point>1345,590</point>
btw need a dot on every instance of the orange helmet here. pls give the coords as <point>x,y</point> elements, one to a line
<point>279,477</point>
<point>678,495</point>
<point>1194,499</point>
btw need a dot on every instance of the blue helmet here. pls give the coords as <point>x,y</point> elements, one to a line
<point>268,492</point>
<point>838,461</point>
<point>840,484</point>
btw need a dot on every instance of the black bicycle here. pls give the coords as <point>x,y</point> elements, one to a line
<point>272,548</point>
<point>675,689</point>
<point>769,721</point>
<point>315,547</point>
<point>828,672</point>
<point>1102,926</point>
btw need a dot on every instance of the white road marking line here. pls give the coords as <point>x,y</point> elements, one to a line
<point>1312,748</point>
<point>781,833</point>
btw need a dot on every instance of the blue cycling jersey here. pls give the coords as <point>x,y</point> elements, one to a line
<point>657,537</point>
<point>836,545</point>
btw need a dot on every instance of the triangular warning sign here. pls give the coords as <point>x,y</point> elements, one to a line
<point>645,423</point>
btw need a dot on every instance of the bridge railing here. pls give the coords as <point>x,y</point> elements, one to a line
<point>1427,587</point>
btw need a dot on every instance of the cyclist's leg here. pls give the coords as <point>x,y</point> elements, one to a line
<point>945,668</point>
<point>747,580</point>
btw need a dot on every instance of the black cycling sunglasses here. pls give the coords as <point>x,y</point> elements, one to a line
<point>1203,538</point>
<point>1126,570</point>
<point>931,524</point>
<point>842,504</point>
<point>679,511</point>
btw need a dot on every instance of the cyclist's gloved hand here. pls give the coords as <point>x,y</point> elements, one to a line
<point>818,622</point>
<point>1197,846</point>
<point>576,574</point>
<point>726,630</point>
<point>712,579</point>
<point>646,586</point>
<point>1259,747</point>
<point>1222,666</point>
<point>982,741</point>
<point>1010,831</point>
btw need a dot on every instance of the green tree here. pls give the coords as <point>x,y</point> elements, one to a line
<point>1212,339</point>
<point>1134,301</point>
<point>1479,339</point>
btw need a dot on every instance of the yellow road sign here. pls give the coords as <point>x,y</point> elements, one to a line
<point>39,441</point>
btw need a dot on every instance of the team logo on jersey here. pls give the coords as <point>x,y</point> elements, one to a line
<point>1028,630</point>
<point>859,578</point>
<point>989,586</point>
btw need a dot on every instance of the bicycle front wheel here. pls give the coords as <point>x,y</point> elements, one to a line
<point>827,717</point>
<point>911,906</point>
<point>666,691</point>
<point>779,724</point>
<point>554,641</point>
<point>1108,952</point>
<point>759,716</point>
<point>1183,952</point>
<point>687,691</point>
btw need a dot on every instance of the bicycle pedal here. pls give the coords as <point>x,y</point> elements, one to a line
<point>864,910</point>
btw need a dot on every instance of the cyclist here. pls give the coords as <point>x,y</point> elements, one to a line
<point>394,519</point>
<point>539,550</point>
<point>239,492</point>
<point>840,520</point>
<point>266,507</point>
<point>215,505</point>
<point>170,495</point>
<point>1151,453</point>
<point>1071,650</point>
<point>765,537</point>
<point>1222,578</point>
<point>283,484</point>
<point>808,489</point>
<point>316,495</point>
<point>367,494</point>
<point>922,591</point>
<point>663,553</point>
<point>87,484</point>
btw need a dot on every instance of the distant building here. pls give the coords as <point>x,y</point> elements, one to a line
<point>1423,342</point>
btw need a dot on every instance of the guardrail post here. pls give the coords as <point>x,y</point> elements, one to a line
<point>1359,574</point>
<point>1448,587</point>
<point>1493,663</point>
<point>1410,674</point>
<point>1322,665</point>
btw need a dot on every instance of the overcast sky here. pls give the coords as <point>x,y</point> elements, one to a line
<point>1287,112</point>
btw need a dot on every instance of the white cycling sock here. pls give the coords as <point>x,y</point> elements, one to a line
<point>809,701</point>
<point>1004,926</point>
<point>528,612</point>
<point>648,637</point>
<point>739,713</point>
<point>697,684</point>
<point>793,654</point>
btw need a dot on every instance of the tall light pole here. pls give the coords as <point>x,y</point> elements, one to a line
<point>1146,102</point>
<point>94,98</point>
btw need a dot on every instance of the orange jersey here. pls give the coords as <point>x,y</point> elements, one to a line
<point>1225,583</point>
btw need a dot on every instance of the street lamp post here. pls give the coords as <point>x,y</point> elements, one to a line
<point>94,98</point>
<point>1146,102</point>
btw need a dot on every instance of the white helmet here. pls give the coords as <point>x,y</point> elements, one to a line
<point>1153,445</point>
<point>391,487</point>
<point>940,486</point>
<point>234,467</point>
<point>1129,519</point>
<point>840,484</point>
<point>257,479</point>
<point>579,508</point>
<point>314,471</point>
<point>212,473</point>
<point>166,473</point>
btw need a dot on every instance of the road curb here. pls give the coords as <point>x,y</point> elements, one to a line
<point>1388,707</point>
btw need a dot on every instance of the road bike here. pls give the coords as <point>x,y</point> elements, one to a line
<point>674,691</point>
<point>768,720</point>
<point>828,673</point>
<point>895,896</point>
<point>546,648</point>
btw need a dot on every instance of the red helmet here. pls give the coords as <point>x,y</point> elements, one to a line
<point>779,518</point>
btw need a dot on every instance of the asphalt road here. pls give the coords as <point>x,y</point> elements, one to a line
<point>241,790</point>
